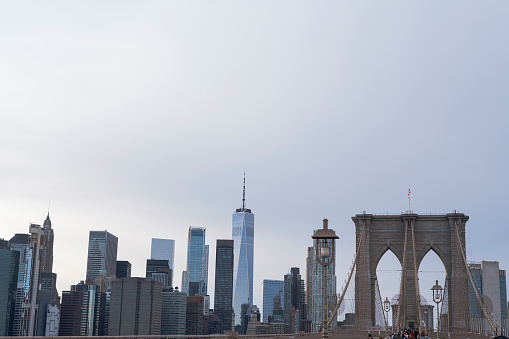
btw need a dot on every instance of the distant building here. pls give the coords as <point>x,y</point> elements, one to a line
<point>82,311</point>
<point>271,289</point>
<point>163,249</point>
<point>223,297</point>
<point>314,279</point>
<point>294,301</point>
<point>243,254</point>
<point>30,248</point>
<point>490,282</point>
<point>9,265</point>
<point>195,278</point>
<point>135,307</point>
<point>102,254</point>
<point>52,321</point>
<point>173,312</point>
<point>123,269</point>
<point>47,247</point>
<point>197,315</point>
<point>159,270</point>
<point>48,297</point>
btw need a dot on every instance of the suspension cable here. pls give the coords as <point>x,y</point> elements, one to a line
<point>490,321</point>
<point>329,322</point>
<point>416,277</point>
<point>402,282</point>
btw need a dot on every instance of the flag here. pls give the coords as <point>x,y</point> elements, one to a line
<point>409,193</point>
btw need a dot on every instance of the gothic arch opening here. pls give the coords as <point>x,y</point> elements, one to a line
<point>431,269</point>
<point>388,273</point>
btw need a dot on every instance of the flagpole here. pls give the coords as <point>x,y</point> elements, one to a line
<point>409,200</point>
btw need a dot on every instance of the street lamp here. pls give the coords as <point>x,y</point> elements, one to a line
<point>325,239</point>
<point>387,307</point>
<point>438,296</point>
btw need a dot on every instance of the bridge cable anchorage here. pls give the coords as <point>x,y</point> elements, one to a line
<point>341,298</point>
<point>490,321</point>
<point>416,277</point>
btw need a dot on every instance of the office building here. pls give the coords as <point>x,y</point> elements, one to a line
<point>314,278</point>
<point>9,266</point>
<point>48,297</point>
<point>29,246</point>
<point>195,278</point>
<point>243,255</point>
<point>490,282</point>
<point>294,301</point>
<point>197,315</point>
<point>173,313</point>
<point>82,311</point>
<point>163,249</point>
<point>159,270</point>
<point>47,247</point>
<point>271,289</point>
<point>123,269</point>
<point>102,254</point>
<point>135,307</point>
<point>223,295</point>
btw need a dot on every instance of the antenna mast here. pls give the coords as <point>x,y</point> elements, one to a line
<point>244,194</point>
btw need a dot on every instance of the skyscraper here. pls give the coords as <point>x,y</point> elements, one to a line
<point>83,311</point>
<point>30,248</point>
<point>195,278</point>
<point>102,254</point>
<point>173,313</point>
<point>159,270</point>
<point>271,289</point>
<point>314,279</point>
<point>135,307</point>
<point>223,295</point>
<point>294,301</point>
<point>123,269</point>
<point>9,264</point>
<point>47,247</point>
<point>490,282</point>
<point>243,251</point>
<point>163,249</point>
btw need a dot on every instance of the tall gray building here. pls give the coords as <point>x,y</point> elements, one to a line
<point>490,282</point>
<point>135,307</point>
<point>173,312</point>
<point>102,254</point>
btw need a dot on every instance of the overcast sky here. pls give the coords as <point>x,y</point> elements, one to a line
<point>140,118</point>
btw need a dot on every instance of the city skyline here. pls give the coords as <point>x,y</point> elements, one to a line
<point>135,119</point>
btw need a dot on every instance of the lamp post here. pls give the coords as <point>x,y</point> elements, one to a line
<point>387,307</point>
<point>438,296</point>
<point>325,239</point>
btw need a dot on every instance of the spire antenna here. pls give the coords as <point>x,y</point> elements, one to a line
<point>244,194</point>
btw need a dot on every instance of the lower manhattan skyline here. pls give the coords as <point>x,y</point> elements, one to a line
<point>141,118</point>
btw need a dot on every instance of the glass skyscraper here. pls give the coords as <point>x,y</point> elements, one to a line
<point>9,265</point>
<point>102,254</point>
<point>223,297</point>
<point>163,249</point>
<point>195,278</point>
<point>271,290</point>
<point>243,238</point>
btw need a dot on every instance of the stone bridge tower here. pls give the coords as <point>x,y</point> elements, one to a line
<point>423,233</point>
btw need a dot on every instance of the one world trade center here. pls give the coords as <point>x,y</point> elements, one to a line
<point>243,248</point>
